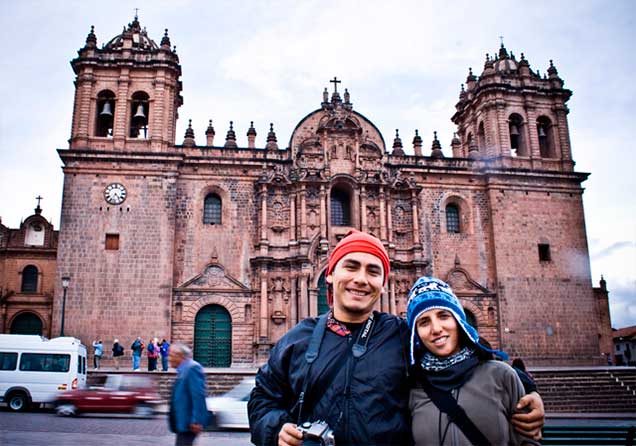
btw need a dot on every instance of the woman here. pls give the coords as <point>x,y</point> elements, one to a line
<point>455,375</point>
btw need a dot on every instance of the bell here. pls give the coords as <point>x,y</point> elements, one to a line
<point>514,130</point>
<point>106,110</point>
<point>140,112</point>
<point>542,132</point>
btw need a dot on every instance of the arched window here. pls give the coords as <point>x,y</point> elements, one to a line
<point>139,113</point>
<point>340,208</point>
<point>105,114</point>
<point>546,140</point>
<point>212,210</point>
<point>517,142</point>
<point>29,279</point>
<point>452,218</point>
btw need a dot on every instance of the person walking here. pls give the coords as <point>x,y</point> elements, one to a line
<point>97,354</point>
<point>463,396</point>
<point>164,348</point>
<point>137,347</point>
<point>349,366</point>
<point>188,411</point>
<point>118,352</point>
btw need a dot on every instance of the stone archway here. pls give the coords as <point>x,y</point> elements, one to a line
<point>26,323</point>
<point>213,336</point>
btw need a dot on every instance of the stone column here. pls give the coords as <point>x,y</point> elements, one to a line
<point>293,301</point>
<point>323,212</point>
<point>363,208</point>
<point>392,308</point>
<point>382,215</point>
<point>416,222</point>
<point>303,212</point>
<point>264,313</point>
<point>389,216</point>
<point>304,297</point>
<point>292,217</point>
<point>120,125</point>
<point>263,212</point>
<point>564,133</point>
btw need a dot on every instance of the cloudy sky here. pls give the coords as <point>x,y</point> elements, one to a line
<point>402,61</point>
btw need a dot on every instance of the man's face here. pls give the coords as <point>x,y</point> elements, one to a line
<point>174,358</point>
<point>357,284</point>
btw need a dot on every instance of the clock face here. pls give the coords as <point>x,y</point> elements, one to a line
<point>115,193</point>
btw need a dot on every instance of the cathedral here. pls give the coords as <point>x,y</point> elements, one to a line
<point>223,245</point>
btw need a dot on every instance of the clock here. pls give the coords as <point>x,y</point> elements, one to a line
<point>115,193</point>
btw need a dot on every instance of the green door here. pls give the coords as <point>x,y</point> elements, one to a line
<point>323,305</point>
<point>213,337</point>
<point>26,323</point>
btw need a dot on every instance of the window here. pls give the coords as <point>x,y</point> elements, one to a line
<point>544,252</point>
<point>515,128</point>
<point>105,114</point>
<point>29,279</point>
<point>340,208</point>
<point>544,131</point>
<point>481,136</point>
<point>212,210</point>
<point>8,360</point>
<point>112,242</point>
<point>452,219</point>
<point>45,362</point>
<point>139,112</point>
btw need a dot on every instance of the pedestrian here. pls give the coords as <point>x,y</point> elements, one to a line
<point>462,395</point>
<point>97,353</point>
<point>348,367</point>
<point>188,411</point>
<point>118,351</point>
<point>153,354</point>
<point>164,349</point>
<point>137,347</point>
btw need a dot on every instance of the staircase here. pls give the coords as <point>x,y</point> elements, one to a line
<point>587,389</point>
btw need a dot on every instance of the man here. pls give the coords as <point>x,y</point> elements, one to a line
<point>358,384</point>
<point>137,348</point>
<point>99,351</point>
<point>188,411</point>
<point>118,352</point>
<point>164,349</point>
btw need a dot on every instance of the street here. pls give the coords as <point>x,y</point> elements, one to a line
<point>44,428</point>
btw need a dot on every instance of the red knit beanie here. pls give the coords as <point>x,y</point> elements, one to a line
<point>356,241</point>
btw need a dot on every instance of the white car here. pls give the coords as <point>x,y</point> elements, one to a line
<point>230,410</point>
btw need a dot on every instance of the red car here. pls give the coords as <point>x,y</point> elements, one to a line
<point>136,394</point>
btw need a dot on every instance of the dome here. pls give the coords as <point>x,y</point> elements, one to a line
<point>140,39</point>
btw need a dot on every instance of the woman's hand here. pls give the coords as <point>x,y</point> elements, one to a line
<point>530,424</point>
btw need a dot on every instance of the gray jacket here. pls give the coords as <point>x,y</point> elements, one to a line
<point>489,398</point>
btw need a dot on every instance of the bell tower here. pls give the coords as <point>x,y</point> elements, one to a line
<point>514,116</point>
<point>127,93</point>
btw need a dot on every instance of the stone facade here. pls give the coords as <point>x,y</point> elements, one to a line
<point>27,276</point>
<point>246,231</point>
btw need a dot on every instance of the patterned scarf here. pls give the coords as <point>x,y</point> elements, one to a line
<point>336,326</point>
<point>452,372</point>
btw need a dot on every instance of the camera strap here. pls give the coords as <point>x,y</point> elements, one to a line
<point>326,376</point>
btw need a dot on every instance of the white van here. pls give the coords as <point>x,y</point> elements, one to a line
<point>33,369</point>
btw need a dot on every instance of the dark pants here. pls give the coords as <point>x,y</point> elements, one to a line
<point>152,364</point>
<point>164,363</point>
<point>185,439</point>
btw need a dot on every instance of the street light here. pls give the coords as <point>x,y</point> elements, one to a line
<point>66,280</point>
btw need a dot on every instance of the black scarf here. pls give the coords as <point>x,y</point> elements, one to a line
<point>453,376</point>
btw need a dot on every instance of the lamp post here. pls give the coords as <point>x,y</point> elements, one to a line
<point>66,280</point>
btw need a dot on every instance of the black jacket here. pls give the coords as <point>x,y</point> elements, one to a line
<point>367,407</point>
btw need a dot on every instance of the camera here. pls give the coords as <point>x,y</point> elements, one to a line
<point>317,433</point>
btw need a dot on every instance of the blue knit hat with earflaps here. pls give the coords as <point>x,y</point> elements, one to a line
<point>429,293</point>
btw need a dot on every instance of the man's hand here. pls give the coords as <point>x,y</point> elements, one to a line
<point>530,424</point>
<point>289,435</point>
<point>195,428</point>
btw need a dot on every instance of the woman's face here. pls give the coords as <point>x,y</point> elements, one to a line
<point>439,332</point>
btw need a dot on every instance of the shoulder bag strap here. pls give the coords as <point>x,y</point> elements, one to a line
<point>445,402</point>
